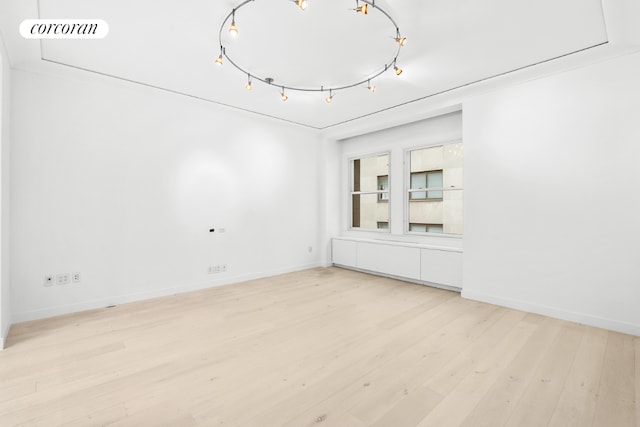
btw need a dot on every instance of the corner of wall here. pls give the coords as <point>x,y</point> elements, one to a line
<point>621,21</point>
<point>4,334</point>
<point>329,183</point>
<point>5,155</point>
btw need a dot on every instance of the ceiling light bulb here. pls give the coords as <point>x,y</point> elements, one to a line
<point>371,88</point>
<point>219,61</point>
<point>248,86</point>
<point>401,40</point>
<point>364,9</point>
<point>233,29</point>
<point>397,70</point>
<point>283,96</point>
<point>302,4</point>
<point>330,97</point>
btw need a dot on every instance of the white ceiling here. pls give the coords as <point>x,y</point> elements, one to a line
<point>172,44</point>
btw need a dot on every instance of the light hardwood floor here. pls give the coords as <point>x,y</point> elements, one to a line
<point>322,347</point>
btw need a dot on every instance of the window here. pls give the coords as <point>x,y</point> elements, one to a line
<point>425,228</point>
<point>369,187</point>
<point>426,179</point>
<point>383,225</point>
<point>383,184</point>
<point>434,176</point>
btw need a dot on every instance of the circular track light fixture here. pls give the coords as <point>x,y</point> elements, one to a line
<point>363,7</point>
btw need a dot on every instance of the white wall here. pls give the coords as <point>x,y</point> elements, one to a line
<point>5,108</point>
<point>552,206</point>
<point>122,184</point>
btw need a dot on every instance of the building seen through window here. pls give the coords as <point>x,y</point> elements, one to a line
<point>435,190</point>
<point>370,192</point>
<point>434,184</point>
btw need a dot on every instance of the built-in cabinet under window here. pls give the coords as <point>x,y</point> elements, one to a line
<point>422,263</point>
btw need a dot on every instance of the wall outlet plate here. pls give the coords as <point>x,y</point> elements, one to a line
<point>49,280</point>
<point>75,277</point>
<point>63,278</point>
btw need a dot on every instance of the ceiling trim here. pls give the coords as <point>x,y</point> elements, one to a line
<point>482,80</point>
<point>177,92</point>
<point>373,113</point>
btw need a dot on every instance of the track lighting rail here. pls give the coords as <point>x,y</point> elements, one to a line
<point>362,6</point>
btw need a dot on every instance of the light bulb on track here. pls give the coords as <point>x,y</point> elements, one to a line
<point>364,9</point>
<point>329,98</point>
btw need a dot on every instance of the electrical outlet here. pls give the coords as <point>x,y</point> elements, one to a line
<point>48,280</point>
<point>75,277</point>
<point>223,268</point>
<point>63,278</point>
<point>214,269</point>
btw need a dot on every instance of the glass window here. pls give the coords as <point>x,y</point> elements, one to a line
<point>369,187</point>
<point>425,228</point>
<point>383,184</point>
<point>426,180</point>
<point>435,176</point>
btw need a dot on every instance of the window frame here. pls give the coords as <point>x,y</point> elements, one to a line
<point>351,192</point>
<point>407,190</point>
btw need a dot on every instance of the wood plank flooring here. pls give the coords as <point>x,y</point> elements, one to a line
<point>322,347</point>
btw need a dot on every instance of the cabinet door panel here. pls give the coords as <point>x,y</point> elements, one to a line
<point>394,260</point>
<point>442,267</point>
<point>344,252</point>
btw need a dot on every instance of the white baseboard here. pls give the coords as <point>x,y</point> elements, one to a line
<point>404,279</point>
<point>140,296</point>
<point>583,318</point>
<point>3,336</point>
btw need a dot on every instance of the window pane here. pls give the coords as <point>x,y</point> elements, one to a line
<point>434,228</point>
<point>418,227</point>
<point>434,180</point>
<point>436,211</point>
<point>370,174</point>
<point>367,212</point>
<point>425,228</point>
<point>383,184</point>
<point>367,170</point>
<point>418,180</point>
